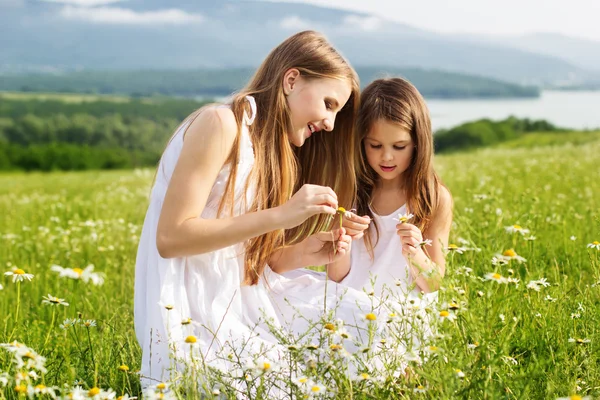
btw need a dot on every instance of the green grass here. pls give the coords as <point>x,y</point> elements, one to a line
<point>77,219</point>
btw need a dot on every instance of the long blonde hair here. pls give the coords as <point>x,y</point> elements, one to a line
<point>398,101</point>
<point>280,169</point>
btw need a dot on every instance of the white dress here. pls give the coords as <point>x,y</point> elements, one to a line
<point>208,287</point>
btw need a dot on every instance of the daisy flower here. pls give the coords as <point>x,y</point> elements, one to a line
<point>18,275</point>
<point>594,245</point>
<point>511,254</point>
<point>494,276</point>
<point>457,249</point>
<point>426,242</point>
<point>402,218</point>
<point>579,341</point>
<point>574,397</point>
<point>54,301</point>
<point>85,275</point>
<point>516,229</point>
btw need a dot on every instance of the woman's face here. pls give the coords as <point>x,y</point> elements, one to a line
<point>313,103</point>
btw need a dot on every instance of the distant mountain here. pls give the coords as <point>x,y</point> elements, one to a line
<point>38,35</point>
<point>222,82</point>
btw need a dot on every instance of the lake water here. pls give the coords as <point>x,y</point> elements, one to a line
<point>569,109</point>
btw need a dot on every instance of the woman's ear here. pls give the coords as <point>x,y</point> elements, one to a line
<point>290,78</point>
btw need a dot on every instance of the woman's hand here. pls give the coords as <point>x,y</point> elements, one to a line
<point>306,202</point>
<point>355,226</point>
<point>411,237</point>
<point>325,247</point>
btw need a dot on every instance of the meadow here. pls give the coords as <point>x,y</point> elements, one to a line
<point>517,316</point>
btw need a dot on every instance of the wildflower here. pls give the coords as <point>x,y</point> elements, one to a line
<point>370,317</point>
<point>537,285</point>
<point>420,389</point>
<point>68,323</point>
<point>85,275</point>
<point>426,242</point>
<point>262,365</point>
<point>473,346</point>
<point>433,349</point>
<point>502,317</point>
<point>191,339</point>
<point>18,275</point>
<point>445,315</point>
<point>594,245</point>
<point>516,229</point>
<point>316,389</point>
<point>123,368</point>
<point>402,218</point>
<point>530,238</point>
<point>549,298</point>
<point>575,315</point>
<point>88,323</point>
<point>300,380</point>
<point>329,327</point>
<point>573,238</point>
<point>499,261</point>
<point>510,360</point>
<point>454,248</point>
<point>54,301</point>
<point>186,321</point>
<point>480,293</point>
<point>510,254</point>
<point>363,377</point>
<point>459,374</point>
<point>494,276</point>
<point>335,347</point>
<point>574,397</point>
<point>579,341</point>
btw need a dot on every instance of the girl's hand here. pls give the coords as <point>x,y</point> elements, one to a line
<point>355,226</point>
<point>306,202</point>
<point>325,247</point>
<point>411,238</point>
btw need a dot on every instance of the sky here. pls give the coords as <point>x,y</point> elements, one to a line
<point>576,18</point>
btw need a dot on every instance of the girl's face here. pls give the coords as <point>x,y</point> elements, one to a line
<point>389,149</point>
<point>313,103</point>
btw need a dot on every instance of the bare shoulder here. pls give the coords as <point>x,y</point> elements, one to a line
<point>213,123</point>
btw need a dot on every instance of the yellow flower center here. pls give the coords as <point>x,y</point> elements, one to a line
<point>452,246</point>
<point>94,392</point>
<point>78,271</point>
<point>190,339</point>
<point>19,271</point>
<point>330,327</point>
<point>432,348</point>
<point>595,243</point>
<point>123,368</point>
<point>266,366</point>
<point>403,219</point>
<point>496,276</point>
<point>161,386</point>
<point>169,306</point>
<point>303,380</point>
<point>420,387</point>
<point>517,227</point>
<point>575,397</point>
<point>40,387</point>
<point>335,347</point>
<point>364,375</point>
<point>341,210</point>
<point>315,389</point>
<point>510,253</point>
<point>444,313</point>
<point>21,389</point>
<point>453,306</point>
<point>186,321</point>
<point>29,355</point>
<point>371,317</point>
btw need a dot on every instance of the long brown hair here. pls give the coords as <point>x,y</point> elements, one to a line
<point>280,169</point>
<point>397,101</point>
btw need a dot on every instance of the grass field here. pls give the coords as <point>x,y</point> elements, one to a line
<point>509,340</point>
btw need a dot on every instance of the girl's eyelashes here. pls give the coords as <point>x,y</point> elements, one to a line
<point>328,104</point>
<point>378,146</point>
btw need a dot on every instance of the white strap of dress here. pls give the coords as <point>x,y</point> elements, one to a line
<point>250,120</point>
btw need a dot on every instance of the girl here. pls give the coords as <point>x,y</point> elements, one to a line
<point>222,222</point>
<point>410,209</point>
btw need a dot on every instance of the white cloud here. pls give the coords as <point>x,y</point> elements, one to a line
<point>115,15</point>
<point>294,23</point>
<point>84,3</point>
<point>364,23</point>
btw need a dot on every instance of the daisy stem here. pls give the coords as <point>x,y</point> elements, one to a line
<point>50,328</point>
<point>92,353</point>
<point>18,302</point>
